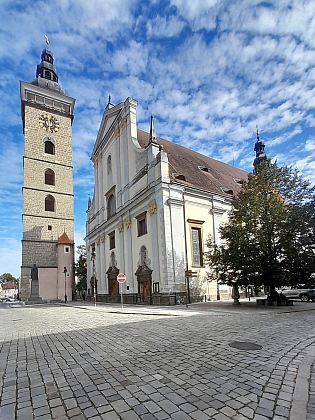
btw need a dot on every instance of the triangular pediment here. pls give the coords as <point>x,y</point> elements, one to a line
<point>109,117</point>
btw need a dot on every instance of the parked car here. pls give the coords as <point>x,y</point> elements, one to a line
<point>305,294</point>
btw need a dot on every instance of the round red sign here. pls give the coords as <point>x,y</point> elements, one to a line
<point>121,278</point>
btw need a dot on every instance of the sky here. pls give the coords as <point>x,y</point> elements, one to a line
<point>209,71</point>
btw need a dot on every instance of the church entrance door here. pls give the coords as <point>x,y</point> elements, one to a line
<point>145,290</point>
<point>113,284</point>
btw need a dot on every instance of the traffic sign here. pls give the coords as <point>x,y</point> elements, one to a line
<point>190,273</point>
<point>121,278</point>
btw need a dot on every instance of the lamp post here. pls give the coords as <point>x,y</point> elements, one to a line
<point>65,271</point>
<point>94,279</point>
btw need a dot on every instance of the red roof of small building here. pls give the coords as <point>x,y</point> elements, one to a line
<point>64,240</point>
<point>9,285</point>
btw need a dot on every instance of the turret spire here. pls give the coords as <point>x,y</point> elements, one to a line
<point>46,73</point>
<point>152,131</point>
<point>260,152</point>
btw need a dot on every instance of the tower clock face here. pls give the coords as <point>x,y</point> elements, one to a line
<point>49,123</point>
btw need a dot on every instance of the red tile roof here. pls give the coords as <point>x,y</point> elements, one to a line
<point>216,177</point>
<point>9,285</point>
<point>64,240</point>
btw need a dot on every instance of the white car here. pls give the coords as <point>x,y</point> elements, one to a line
<point>299,293</point>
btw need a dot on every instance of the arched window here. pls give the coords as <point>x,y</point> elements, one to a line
<point>109,164</point>
<point>111,206</point>
<point>49,203</point>
<point>49,147</point>
<point>50,177</point>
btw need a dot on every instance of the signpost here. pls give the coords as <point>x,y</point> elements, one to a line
<point>188,275</point>
<point>121,278</point>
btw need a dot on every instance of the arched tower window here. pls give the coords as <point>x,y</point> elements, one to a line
<point>109,164</point>
<point>49,147</point>
<point>49,203</point>
<point>50,177</point>
<point>111,206</point>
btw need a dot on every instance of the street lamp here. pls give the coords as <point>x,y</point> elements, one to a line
<point>94,279</point>
<point>65,271</point>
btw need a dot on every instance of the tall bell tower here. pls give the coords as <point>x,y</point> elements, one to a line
<point>48,217</point>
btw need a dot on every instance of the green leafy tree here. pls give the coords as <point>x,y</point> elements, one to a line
<point>7,277</point>
<point>269,238</point>
<point>81,269</point>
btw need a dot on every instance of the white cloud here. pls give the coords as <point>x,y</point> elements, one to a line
<point>165,27</point>
<point>199,13</point>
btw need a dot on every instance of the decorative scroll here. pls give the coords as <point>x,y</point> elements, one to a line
<point>152,209</point>
<point>123,123</point>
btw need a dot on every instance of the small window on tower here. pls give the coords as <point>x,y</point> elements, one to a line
<point>67,249</point>
<point>49,203</point>
<point>50,177</point>
<point>49,147</point>
<point>49,227</point>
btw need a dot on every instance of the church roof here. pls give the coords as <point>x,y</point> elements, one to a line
<point>194,169</point>
<point>64,240</point>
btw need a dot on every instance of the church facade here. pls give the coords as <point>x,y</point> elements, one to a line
<point>154,205</point>
<point>48,217</point>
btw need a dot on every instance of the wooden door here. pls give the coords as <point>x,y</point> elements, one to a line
<point>145,291</point>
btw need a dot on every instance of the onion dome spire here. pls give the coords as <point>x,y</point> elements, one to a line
<point>260,152</point>
<point>46,73</point>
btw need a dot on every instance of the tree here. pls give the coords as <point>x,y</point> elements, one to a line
<point>80,268</point>
<point>269,238</point>
<point>7,277</point>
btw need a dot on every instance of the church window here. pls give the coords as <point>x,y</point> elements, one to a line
<point>196,242</point>
<point>49,203</point>
<point>196,247</point>
<point>50,177</point>
<point>112,240</point>
<point>142,224</point>
<point>49,227</point>
<point>49,147</point>
<point>111,206</point>
<point>109,164</point>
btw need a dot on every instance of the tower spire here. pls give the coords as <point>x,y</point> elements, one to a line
<point>260,152</point>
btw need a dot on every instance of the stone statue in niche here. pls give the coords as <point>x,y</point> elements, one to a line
<point>34,285</point>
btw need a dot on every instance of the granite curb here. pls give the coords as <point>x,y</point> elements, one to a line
<point>301,390</point>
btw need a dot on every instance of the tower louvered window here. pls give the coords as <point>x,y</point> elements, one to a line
<point>50,177</point>
<point>49,203</point>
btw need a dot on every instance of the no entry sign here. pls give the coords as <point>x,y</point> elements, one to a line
<point>121,278</point>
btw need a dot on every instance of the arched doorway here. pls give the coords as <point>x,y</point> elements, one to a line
<point>144,278</point>
<point>113,285</point>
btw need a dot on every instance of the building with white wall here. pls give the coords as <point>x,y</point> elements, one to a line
<point>155,203</point>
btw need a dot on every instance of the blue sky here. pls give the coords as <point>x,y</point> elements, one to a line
<point>208,71</point>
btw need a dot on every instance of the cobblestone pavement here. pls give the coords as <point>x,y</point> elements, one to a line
<point>84,362</point>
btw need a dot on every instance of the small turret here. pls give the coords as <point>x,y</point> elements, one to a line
<point>260,152</point>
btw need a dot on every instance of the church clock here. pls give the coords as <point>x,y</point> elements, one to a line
<point>49,123</point>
